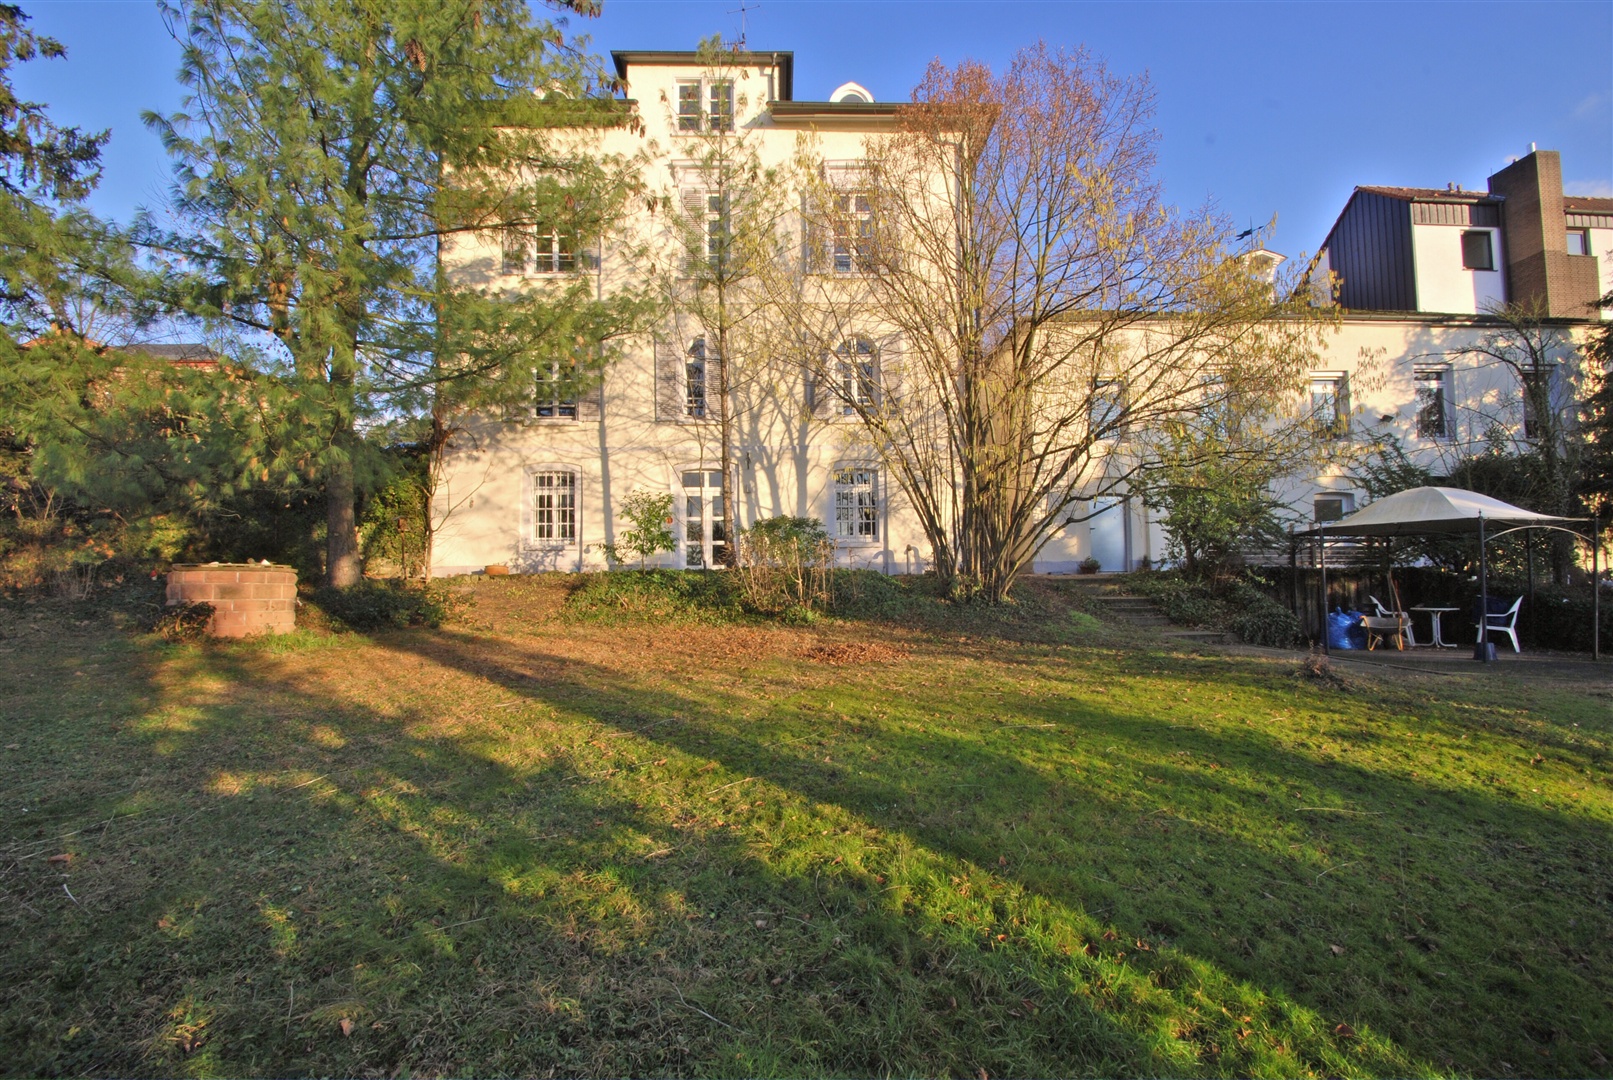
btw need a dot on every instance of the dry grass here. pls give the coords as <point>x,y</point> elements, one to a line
<point>537,845</point>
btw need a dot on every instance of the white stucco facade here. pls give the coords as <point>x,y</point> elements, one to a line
<point>1444,284</point>
<point>544,492</point>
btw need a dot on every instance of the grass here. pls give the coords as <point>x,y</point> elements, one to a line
<point>1012,845</point>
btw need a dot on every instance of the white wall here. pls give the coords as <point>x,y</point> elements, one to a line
<point>1443,285</point>
<point>1602,248</point>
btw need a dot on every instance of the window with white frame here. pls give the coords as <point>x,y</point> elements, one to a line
<point>554,507</point>
<point>556,391</point>
<point>1433,402</point>
<point>538,251</point>
<point>857,372</point>
<point>706,105</point>
<point>1330,405</point>
<point>852,251</point>
<point>718,238</point>
<point>695,369</point>
<point>856,504</point>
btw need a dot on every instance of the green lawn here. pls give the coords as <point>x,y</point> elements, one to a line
<point>528,844</point>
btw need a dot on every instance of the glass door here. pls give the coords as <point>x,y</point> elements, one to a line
<point>704,542</point>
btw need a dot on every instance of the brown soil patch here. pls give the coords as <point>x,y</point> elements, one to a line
<point>854,652</point>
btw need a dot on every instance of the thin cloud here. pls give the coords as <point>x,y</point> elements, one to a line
<point>1596,189</point>
<point>1590,107</point>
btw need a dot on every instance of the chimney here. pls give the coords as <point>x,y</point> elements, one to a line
<point>1534,236</point>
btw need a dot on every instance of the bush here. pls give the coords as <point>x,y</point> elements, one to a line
<point>387,605</point>
<point>784,565</point>
<point>1258,619</point>
<point>673,595</point>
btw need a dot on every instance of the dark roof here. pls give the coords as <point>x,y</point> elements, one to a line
<point>1420,194</point>
<point>1588,204</point>
<point>784,61</point>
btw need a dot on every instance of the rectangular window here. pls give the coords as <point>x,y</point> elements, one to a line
<point>1579,241</point>
<point>556,396</point>
<point>717,237</point>
<point>1333,507</point>
<point>856,504</point>
<point>1478,250</point>
<point>721,95</point>
<point>555,506</point>
<point>694,380</point>
<point>853,233</point>
<point>1432,403</point>
<point>689,106</point>
<point>543,251</point>
<point>1108,418</point>
<point>706,105</point>
<point>1330,405</point>
<point>553,253</point>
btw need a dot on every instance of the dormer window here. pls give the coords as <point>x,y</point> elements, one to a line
<point>706,105</point>
<point>851,94</point>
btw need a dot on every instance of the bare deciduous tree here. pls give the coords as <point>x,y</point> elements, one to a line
<point>1044,313</point>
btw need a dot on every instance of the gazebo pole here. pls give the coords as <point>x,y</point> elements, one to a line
<point>1321,543</point>
<point>1481,651</point>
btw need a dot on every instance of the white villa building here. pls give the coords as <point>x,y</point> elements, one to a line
<point>1417,269</point>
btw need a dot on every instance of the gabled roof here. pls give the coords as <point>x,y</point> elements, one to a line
<point>1588,204</point>
<point>783,60</point>
<point>1419,194</point>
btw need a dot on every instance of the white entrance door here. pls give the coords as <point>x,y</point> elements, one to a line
<point>701,538</point>
<point>1109,531</point>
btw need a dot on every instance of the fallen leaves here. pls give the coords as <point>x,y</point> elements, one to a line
<point>854,652</point>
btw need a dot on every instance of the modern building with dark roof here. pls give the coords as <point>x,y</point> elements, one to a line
<point>1455,252</point>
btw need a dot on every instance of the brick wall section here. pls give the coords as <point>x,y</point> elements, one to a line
<point>247,598</point>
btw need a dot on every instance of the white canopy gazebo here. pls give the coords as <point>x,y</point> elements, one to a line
<point>1443,511</point>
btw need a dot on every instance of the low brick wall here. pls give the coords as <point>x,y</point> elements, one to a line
<point>247,598</point>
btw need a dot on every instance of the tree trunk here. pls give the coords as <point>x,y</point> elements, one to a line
<point>341,526</point>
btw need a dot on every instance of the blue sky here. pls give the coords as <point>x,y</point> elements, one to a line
<point>1266,108</point>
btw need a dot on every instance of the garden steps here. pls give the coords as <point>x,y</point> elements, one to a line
<point>1142,612</point>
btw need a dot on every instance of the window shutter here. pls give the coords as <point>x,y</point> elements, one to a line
<point>693,201</point>
<point>813,249</point>
<point>821,399</point>
<point>591,402</point>
<point>669,402</point>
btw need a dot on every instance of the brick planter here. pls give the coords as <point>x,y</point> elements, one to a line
<point>247,598</point>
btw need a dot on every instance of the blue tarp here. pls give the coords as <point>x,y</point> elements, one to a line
<point>1344,630</point>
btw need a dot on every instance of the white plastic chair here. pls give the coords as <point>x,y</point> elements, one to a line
<point>1502,622</point>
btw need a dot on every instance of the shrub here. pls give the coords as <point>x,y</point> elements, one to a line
<point>673,595</point>
<point>383,605</point>
<point>1258,619</point>
<point>650,514</point>
<point>785,564</point>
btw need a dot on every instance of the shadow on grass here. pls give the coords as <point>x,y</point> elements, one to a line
<point>599,873</point>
